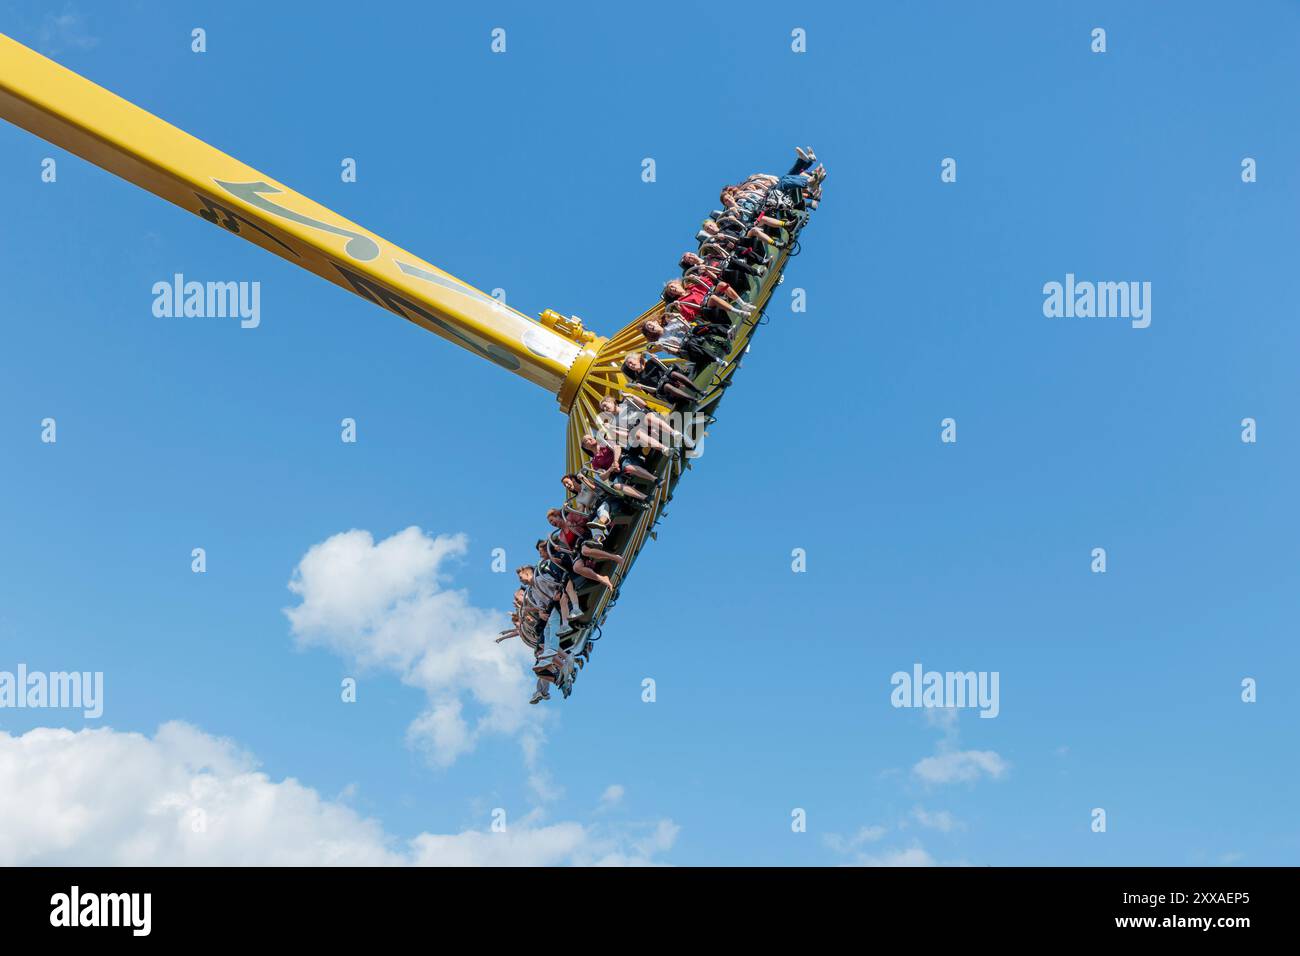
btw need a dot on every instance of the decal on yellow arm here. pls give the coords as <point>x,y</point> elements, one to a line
<point>72,112</point>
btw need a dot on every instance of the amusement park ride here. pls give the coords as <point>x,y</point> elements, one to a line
<point>572,363</point>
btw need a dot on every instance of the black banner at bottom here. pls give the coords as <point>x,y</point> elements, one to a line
<point>336,906</point>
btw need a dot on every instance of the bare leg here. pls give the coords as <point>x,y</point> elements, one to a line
<point>676,438</point>
<point>676,394</point>
<point>643,439</point>
<point>662,427</point>
<point>740,305</point>
<point>629,491</point>
<point>591,575</point>
<point>637,471</point>
<point>596,554</point>
<point>681,381</point>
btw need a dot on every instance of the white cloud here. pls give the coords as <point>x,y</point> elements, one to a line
<point>958,766</point>
<point>660,840</point>
<point>386,606</point>
<point>852,847</point>
<point>544,787</point>
<point>947,765</point>
<point>945,718</point>
<point>951,765</point>
<point>66,30</point>
<point>869,834</point>
<point>612,796</point>
<point>911,856</point>
<point>940,820</point>
<point>182,797</point>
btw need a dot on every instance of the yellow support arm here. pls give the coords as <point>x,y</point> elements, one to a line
<point>70,111</point>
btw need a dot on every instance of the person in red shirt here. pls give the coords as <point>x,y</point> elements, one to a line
<point>608,461</point>
<point>699,292</point>
<point>585,551</point>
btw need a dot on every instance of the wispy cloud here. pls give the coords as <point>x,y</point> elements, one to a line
<point>868,834</point>
<point>960,766</point>
<point>386,606</point>
<point>861,850</point>
<point>544,787</point>
<point>940,820</point>
<point>951,765</point>
<point>908,856</point>
<point>65,31</point>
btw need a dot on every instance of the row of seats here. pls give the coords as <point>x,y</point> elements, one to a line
<point>702,312</point>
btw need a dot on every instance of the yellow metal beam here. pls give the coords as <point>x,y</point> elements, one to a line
<point>72,112</point>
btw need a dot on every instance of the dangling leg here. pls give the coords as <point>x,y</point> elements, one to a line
<point>591,575</point>
<point>575,607</point>
<point>636,471</point>
<point>662,428</point>
<point>680,381</point>
<point>643,439</point>
<point>676,396</point>
<point>623,488</point>
<point>596,554</point>
<point>541,693</point>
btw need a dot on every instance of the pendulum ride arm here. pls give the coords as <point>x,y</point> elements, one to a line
<point>72,112</point>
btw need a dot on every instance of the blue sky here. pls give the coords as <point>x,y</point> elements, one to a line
<point>522,171</point>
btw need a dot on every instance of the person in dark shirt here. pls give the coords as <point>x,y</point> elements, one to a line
<point>659,379</point>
